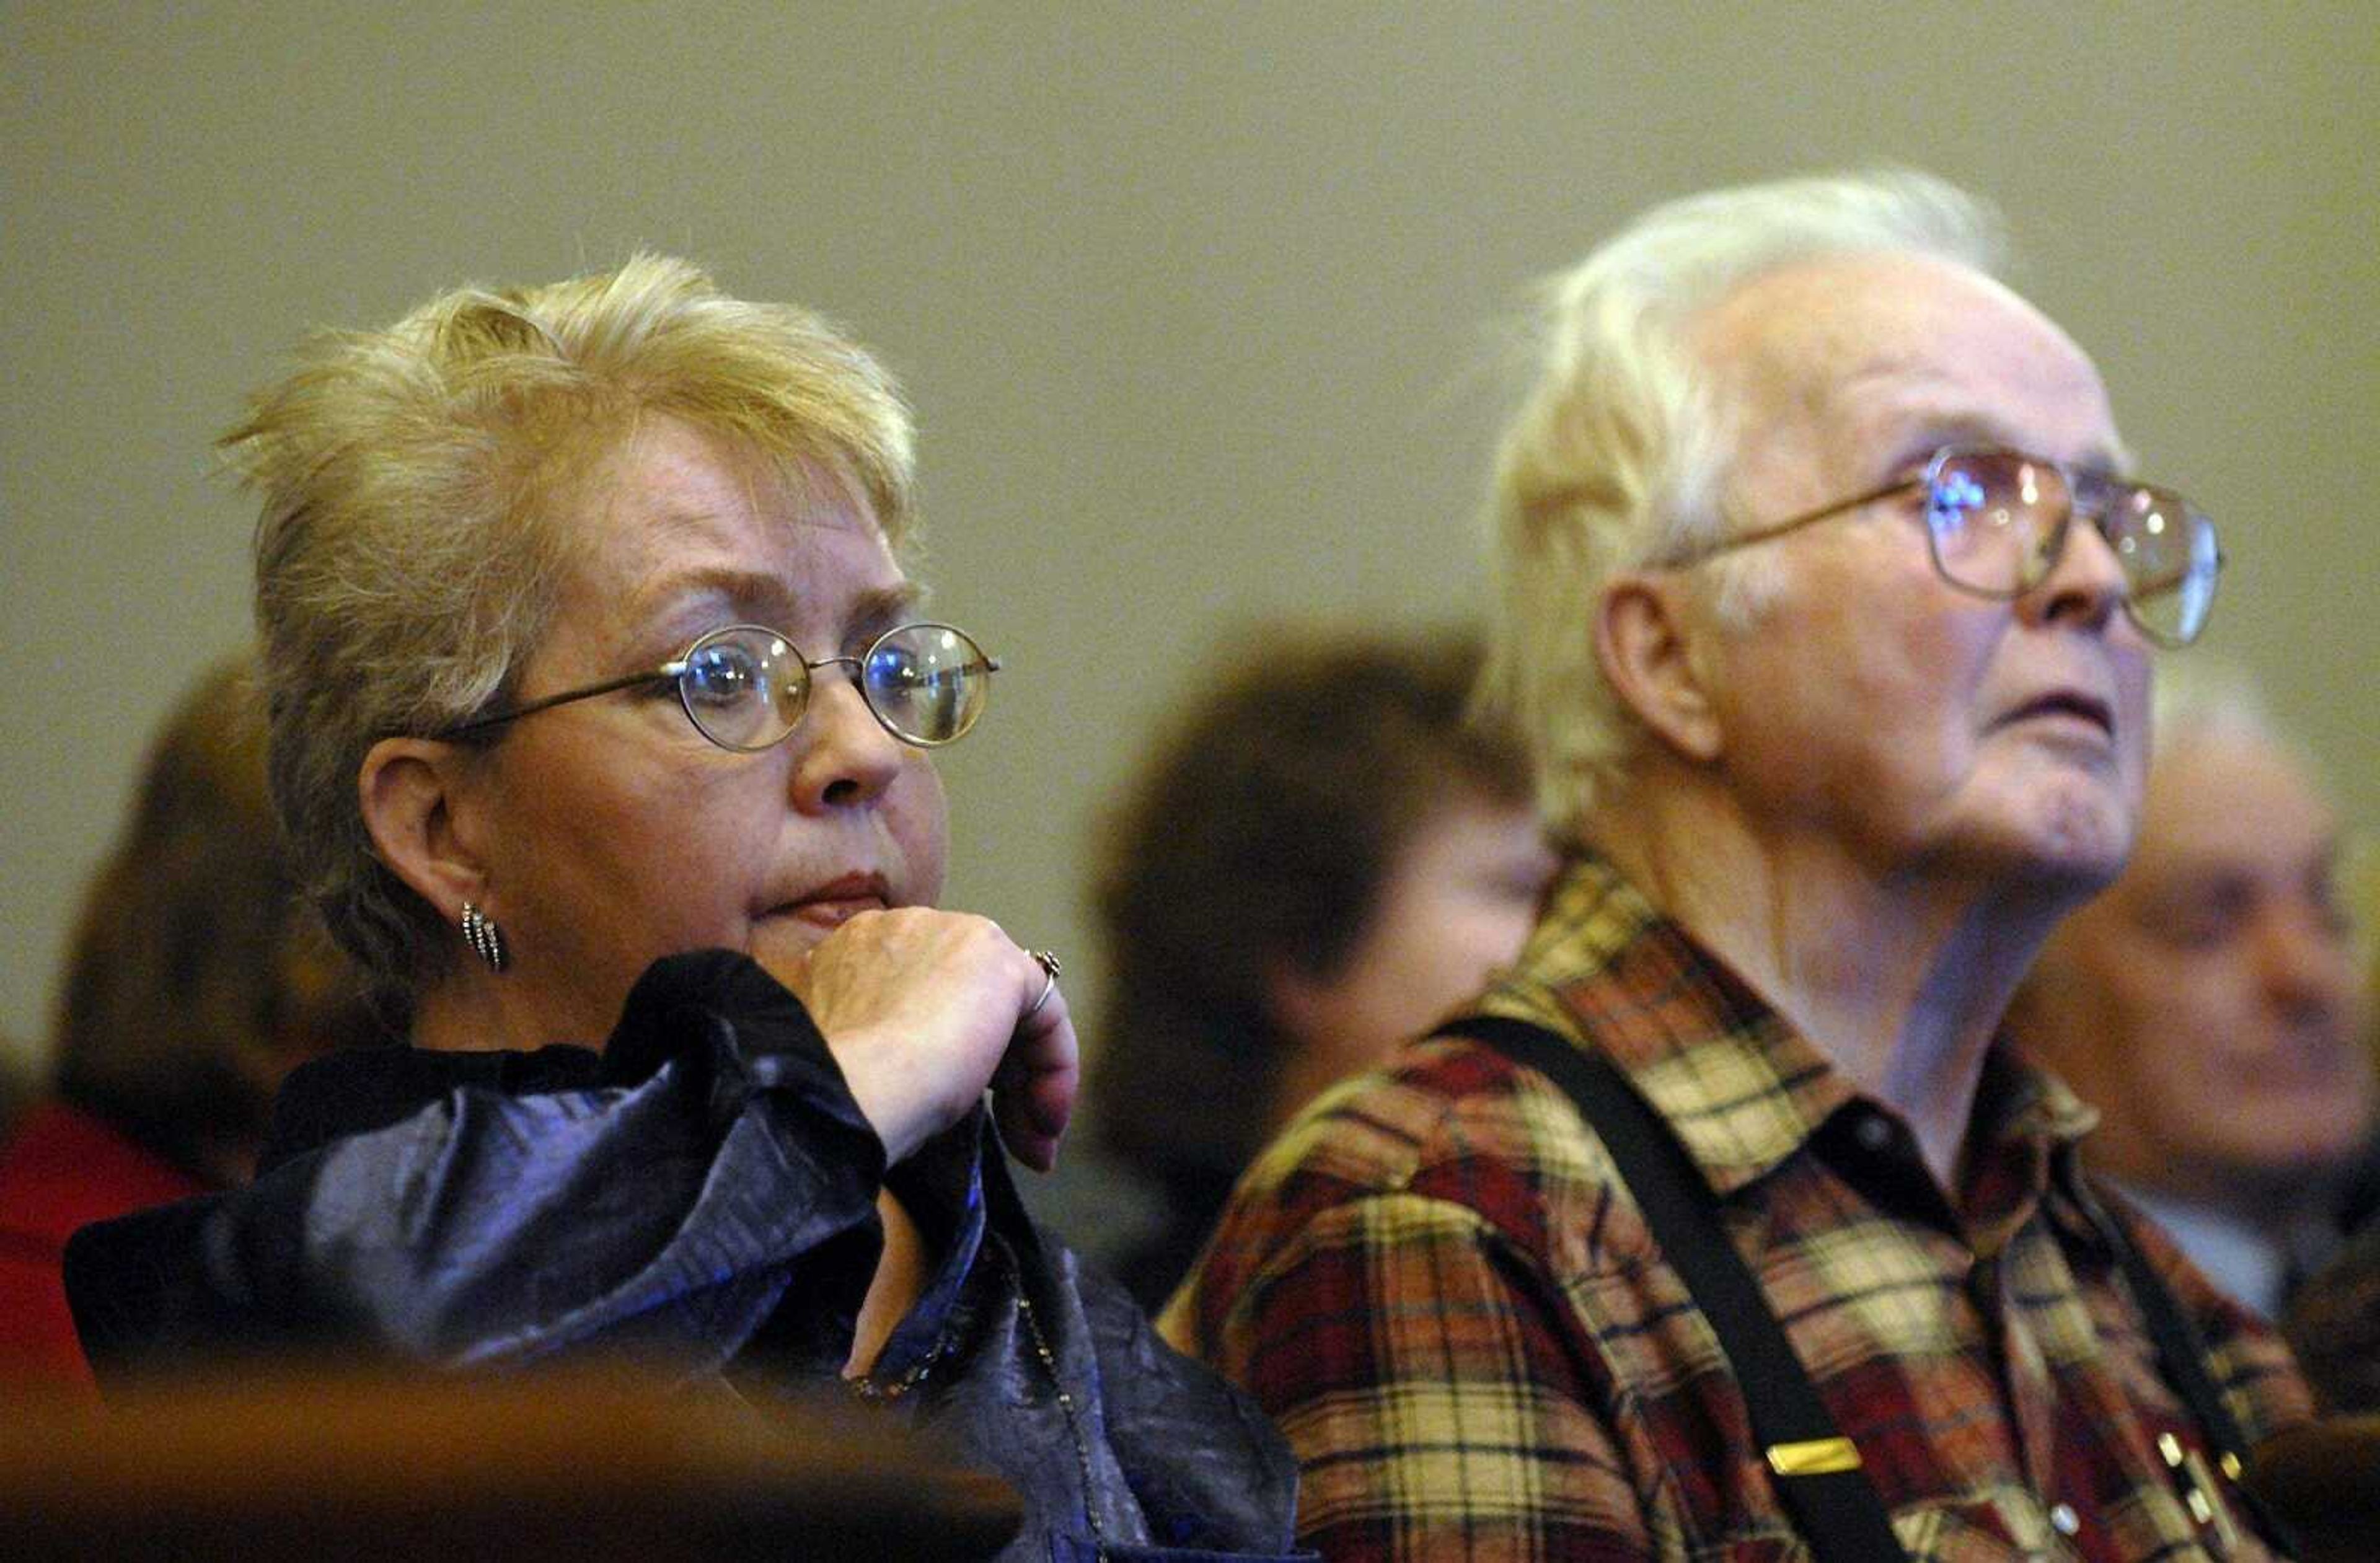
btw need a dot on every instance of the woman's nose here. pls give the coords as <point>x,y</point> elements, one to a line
<point>846,758</point>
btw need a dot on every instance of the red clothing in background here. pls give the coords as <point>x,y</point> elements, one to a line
<point>63,1169</point>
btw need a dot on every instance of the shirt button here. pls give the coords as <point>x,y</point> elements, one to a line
<point>1873,1131</point>
<point>2064,1518</point>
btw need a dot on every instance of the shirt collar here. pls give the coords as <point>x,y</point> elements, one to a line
<point>1742,1089</point>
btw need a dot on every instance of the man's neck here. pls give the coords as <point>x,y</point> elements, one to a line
<point>1901,981</point>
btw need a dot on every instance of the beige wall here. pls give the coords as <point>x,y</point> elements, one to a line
<point>1195,306</point>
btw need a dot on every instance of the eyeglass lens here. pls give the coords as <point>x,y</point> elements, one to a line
<point>926,683</point>
<point>1999,521</point>
<point>745,687</point>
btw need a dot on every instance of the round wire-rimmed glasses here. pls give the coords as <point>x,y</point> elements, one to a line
<point>1996,523</point>
<point>746,687</point>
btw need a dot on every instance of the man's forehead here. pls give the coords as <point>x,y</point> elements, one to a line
<point>1894,348</point>
<point>1904,412</point>
<point>1855,295</point>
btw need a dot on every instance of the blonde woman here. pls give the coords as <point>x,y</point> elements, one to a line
<point>602,721</point>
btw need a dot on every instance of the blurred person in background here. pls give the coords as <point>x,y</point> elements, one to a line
<point>17,1087</point>
<point>2333,1324</point>
<point>196,978</point>
<point>1322,858</point>
<point>603,715</point>
<point>2210,1005</point>
<point>2333,1321</point>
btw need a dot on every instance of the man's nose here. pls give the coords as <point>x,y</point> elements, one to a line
<point>2086,583</point>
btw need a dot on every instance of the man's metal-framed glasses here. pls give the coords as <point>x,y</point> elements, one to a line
<point>746,687</point>
<point>1997,522</point>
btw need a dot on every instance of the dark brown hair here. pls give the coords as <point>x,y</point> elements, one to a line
<point>1258,836</point>
<point>196,974</point>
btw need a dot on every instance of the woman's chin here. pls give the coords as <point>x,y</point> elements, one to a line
<point>789,935</point>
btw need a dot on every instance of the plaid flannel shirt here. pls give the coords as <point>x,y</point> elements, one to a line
<point>1436,1284</point>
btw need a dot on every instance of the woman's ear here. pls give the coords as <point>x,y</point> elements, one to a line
<point>1645,629</point>
<point>412,791</point>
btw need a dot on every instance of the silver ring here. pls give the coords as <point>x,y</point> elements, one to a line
<point>1047,961</point>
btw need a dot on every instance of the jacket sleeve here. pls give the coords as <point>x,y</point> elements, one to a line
<point>668,1207</point>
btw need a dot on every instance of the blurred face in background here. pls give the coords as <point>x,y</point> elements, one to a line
<point>1460,899</point>
<point>2211,1003</point>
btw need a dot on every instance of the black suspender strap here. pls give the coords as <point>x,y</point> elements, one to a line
<point>2182,1353</point>
<point>1816,1468</point>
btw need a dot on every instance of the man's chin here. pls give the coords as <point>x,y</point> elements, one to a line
<point>2063,836</point>
<point>2060,873</point>
<point>2072,843</point>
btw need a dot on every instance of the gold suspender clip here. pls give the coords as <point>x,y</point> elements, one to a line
<point>1814,1457</point>
<point>2199,1493</point>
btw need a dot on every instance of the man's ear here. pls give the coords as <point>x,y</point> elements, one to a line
<point>1645,629</point>
<point>412,790</point>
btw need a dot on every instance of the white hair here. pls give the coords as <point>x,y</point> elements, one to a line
<point>1621,448</point>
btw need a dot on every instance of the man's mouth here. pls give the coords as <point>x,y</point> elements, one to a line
<point>2067,705</point>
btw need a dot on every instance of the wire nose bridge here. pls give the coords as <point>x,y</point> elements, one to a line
<point>857,668</point>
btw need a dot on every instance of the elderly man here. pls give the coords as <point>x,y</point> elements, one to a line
<point>1830,627</point>
<point>2210,1003</point>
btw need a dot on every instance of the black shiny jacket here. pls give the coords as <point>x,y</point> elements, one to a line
<point>702,1191</point>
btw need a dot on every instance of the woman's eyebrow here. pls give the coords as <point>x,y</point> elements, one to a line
<point>754,592</point>
<point>887,604</point>
<point>759,597</point>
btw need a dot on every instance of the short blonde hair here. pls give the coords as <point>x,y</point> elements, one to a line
<point>1619,450</point>
<point>414,480</point>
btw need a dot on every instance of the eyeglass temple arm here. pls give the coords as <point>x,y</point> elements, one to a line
<point>1826,511</point>
<point>626,681</point>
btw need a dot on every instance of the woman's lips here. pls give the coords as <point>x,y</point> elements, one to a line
<point>837,901</point>
<point>833,912</point>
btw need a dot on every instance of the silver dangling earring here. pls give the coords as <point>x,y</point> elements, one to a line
<point>480,932</point>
